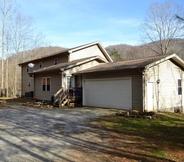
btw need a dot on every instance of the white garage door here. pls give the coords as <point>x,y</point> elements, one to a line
<point>111,93</point>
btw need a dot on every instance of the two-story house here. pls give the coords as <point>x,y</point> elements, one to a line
<point>44,77</point>
<point>145,84</point>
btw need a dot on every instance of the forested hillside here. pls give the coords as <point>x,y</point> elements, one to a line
<point>128,52</point>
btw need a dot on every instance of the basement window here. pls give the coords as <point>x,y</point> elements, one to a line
<point>179,87</point>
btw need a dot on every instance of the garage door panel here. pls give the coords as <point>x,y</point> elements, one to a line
<point>114,93</point>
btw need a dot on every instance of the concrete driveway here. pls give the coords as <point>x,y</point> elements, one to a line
<point>34,134</point>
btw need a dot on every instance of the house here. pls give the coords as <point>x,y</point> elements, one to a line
<point>88,73</point>
<point>147,84</point>
<point>44,77</point>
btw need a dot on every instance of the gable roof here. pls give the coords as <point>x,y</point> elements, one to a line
<point>133,64</point>
<point>71,50</point>
<point>67,65</point>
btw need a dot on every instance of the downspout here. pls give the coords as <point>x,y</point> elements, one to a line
<point>62,76</point>
<point>143,84</point>
<point>181,73</point>
<point>81,89</point>
<point>158,90</point>
<point>142,71</point>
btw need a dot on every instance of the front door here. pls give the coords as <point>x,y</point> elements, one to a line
<point>149,96</point>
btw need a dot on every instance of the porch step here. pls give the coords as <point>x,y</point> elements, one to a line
<point>64,102</point>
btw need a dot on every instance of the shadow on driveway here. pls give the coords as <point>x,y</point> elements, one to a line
<point>32,134</point>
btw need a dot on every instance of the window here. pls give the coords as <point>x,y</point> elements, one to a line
<point>55,61</point>
<point>46,84</point>
<point>179,87</point>
<point>68,81</point>
<point>29,83</point>
<point>40,64</point>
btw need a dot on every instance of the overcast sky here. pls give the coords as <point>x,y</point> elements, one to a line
<point>69,23</point>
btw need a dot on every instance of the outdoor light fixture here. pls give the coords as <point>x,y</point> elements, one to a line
<point>31,65</point>
<point>158,81</point>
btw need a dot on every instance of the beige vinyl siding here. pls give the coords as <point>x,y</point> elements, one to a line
<point>87,52</point>
<point>55,85</point>
<point>136,77</point>
<point>25,81</point>
<point>166,92</point>
<point>45,62</point>
<point>50,61</point>
<point>78,68</point>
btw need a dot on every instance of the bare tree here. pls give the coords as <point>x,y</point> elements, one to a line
<point>17,35</point>
<point>161,27</point>
<point>21,34</point>
<point>7,10</point>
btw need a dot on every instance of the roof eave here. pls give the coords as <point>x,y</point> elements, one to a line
<point>52,54</point>
<point>66,67</point>
<point>173,57</point>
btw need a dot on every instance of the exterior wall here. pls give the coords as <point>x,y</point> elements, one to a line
<point>55,85</point>
<point>25,81</point>
<point>71,71</point>
<point>58,80</point>
<point>50,61</point>
<point>87,52</point>
<point>165,93</point>
<point>137,95</point>
<point>45,62</point>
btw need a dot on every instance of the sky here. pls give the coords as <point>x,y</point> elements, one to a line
<point>70,23</point>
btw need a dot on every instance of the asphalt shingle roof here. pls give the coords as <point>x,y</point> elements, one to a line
<point>120,65</point>
<point>63,65</point>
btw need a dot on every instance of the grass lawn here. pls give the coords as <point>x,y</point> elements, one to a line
<point>160,139</point>
<point>14,101</point>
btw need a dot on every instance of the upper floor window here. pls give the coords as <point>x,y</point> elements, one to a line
<point>40,64</point>
<point>46,84</point>
<point>179,87</point>
<point>55,61</point>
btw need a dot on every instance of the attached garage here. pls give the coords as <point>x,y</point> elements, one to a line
<point>111,92</point>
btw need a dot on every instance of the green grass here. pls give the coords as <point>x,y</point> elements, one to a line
<point>158,137</point>
<point>13,100</point>
<point>159,154</point>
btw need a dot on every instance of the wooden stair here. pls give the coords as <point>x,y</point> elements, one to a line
<point>65,97</point>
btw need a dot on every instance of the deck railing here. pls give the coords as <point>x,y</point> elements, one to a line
<point>70,95</point>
